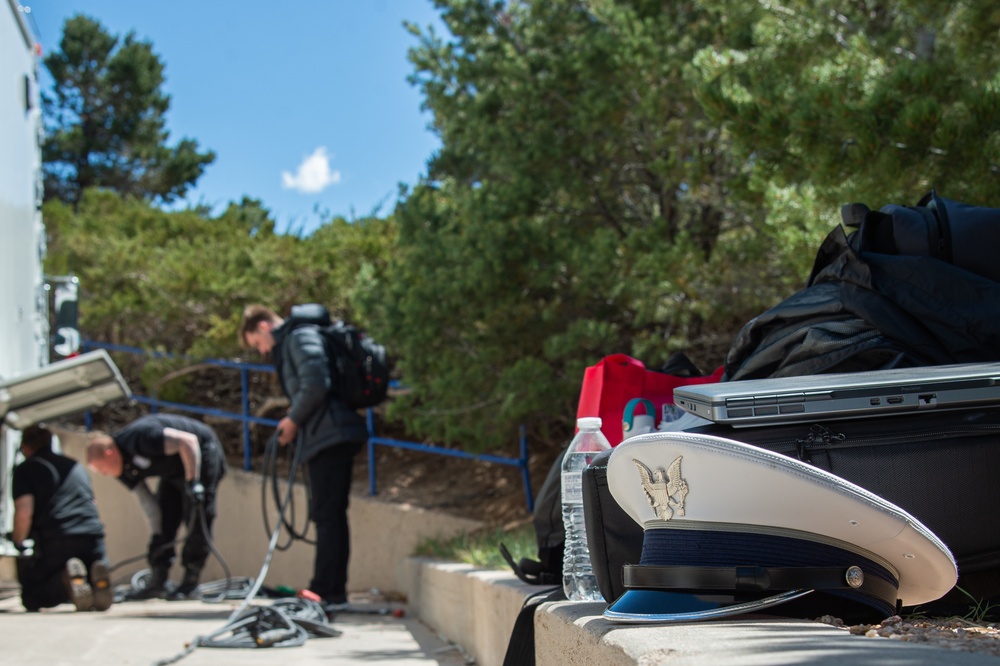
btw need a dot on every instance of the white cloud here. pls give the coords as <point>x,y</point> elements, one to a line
<point>313,175</point>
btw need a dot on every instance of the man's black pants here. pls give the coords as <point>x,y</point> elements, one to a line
<point>330,486</point>
<point>176,507</point>
<point>41,576</point>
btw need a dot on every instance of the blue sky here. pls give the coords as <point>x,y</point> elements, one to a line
<point>305,102</point>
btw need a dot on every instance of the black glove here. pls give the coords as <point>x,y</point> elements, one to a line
<point>196,491</point>
<point>19,546</point>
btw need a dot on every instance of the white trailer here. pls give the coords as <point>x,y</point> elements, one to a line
<point>31,389</point>
<point>24,325</point>
<point>24,331</point>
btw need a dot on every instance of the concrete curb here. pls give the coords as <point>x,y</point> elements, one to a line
<point>473,607</point>
<point>476,609</point>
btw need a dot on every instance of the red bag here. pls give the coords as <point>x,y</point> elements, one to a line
<point>616,379</point>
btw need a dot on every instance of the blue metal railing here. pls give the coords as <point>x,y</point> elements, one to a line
<point>521,461</point>
<point>246,418</point>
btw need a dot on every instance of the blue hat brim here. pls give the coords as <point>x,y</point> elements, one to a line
<point>662,606</point>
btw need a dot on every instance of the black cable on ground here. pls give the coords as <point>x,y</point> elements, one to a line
<point>287,622</point>
<point>308,614</point>
<point>260,626</point>
<point>230,589</point>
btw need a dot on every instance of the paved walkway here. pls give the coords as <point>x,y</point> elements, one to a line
<point>151,632</point>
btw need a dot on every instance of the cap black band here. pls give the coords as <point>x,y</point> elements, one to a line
<point>756,579</point>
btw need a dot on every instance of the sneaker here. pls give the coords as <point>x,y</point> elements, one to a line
<point>335,603</point>
<point>77,587</point>
<point>100,583</point>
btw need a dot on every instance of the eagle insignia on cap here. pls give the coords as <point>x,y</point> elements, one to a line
<point>665,492</point>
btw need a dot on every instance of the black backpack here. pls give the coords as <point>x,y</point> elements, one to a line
<point>909,286</point>
<point>957,233</point>
<point>359,368</point>
<point>549,533</point>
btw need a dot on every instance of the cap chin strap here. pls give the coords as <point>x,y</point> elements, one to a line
<point>790,582</point>
<point>758,579</point>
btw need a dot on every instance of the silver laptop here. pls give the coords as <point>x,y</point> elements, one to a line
<point>839,396</point>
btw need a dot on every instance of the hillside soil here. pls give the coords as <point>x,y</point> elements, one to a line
<point>491,492</point>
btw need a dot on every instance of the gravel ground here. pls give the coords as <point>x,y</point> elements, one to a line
<point>954,632</point>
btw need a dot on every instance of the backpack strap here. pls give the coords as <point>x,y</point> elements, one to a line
<point>936,207</point>
<point>532,572</point>
<point>521,648</point>
<point>854,214</point>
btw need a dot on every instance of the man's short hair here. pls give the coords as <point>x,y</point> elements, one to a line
<point>253,315</point>
<point>97,446</point>
<point>36,438</point>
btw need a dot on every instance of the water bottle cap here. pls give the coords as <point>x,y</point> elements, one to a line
<point>589,423</point>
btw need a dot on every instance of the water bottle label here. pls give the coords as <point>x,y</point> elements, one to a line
<point>572,489</point>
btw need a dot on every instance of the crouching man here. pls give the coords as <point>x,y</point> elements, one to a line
<point>54,506</point>
<point>187,457</point>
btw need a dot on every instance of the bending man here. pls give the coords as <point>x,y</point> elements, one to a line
<point>186,455</point>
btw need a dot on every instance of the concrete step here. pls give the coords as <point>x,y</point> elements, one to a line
<point>476,608</point>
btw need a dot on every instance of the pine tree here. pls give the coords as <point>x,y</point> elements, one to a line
<point>105,120</point>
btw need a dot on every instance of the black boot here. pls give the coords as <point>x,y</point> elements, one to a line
<point>77,588</point>
<point>188,589</point>
<point>100,581</point>
<point>155,586</point>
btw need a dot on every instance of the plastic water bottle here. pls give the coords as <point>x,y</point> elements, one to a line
<point>579,582</point>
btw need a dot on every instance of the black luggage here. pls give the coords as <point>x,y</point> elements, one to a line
<point>941,467</point>
<point>613,538</point>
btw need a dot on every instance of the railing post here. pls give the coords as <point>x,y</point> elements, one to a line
<point>370,421</point>
<point>525,471</point>
<point>88,416</point>
<point>245,398</point>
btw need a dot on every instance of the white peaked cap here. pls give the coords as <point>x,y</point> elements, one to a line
<point>693,485</point>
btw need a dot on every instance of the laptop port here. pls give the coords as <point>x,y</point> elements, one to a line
<point>894,399</point>
<point>875,402</point>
